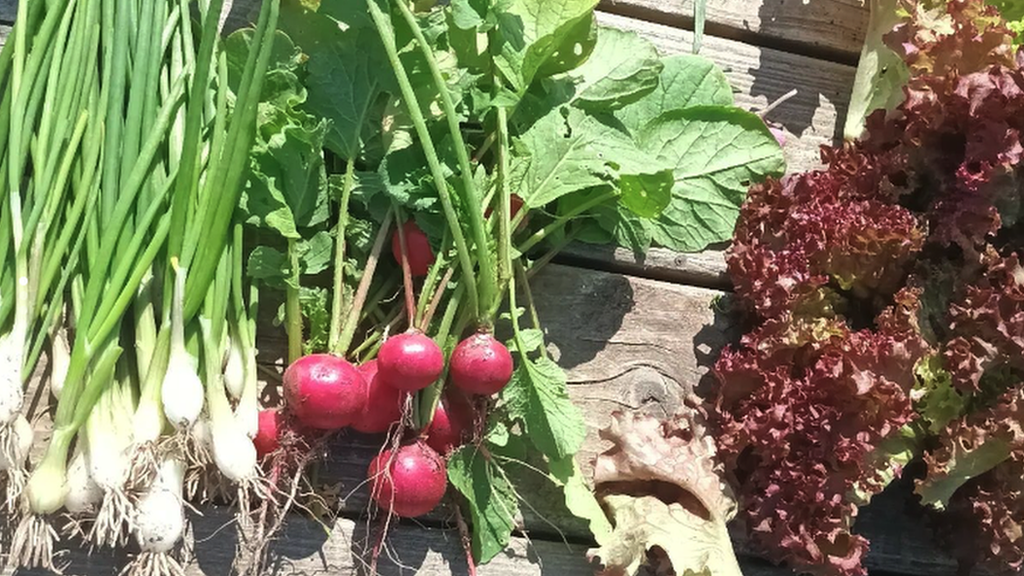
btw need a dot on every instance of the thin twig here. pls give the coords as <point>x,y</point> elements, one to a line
<point>534,318</point>
<point>778,101</point>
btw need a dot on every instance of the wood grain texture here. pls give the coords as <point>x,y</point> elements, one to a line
<point>706,269</point>
<point>831,29</point>
<point>627,344</point>
<point>305,548</point>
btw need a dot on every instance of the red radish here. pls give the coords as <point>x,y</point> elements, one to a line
<point>516,204</point>
<point>324,391</point>
<point>410,361</point>
<point>383,403</point>
<point>410,481</point>
<point>452,420</point>
<point>267,438</point>
<point>421,255</point>
<point>480,364</point>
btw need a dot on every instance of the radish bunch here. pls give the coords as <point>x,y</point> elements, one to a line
<point>325,392</point>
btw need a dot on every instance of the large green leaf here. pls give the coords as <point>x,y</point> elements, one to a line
<point>537,397</point>
<point>622,69</point>
<point>344,82</point>
<point>561,154</point>
<point>287,187</point>
<point>534,31</point>
<point>685,81</point>
<point>579,498</point>
<point>881,73</point>
<point>716,152</point>
<point>491,499</point>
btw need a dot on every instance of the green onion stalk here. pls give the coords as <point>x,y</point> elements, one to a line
<point>115,181</point>
<point>46,124</point>
<point>208,294</point>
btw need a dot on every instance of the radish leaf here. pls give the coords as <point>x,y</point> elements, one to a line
<point>579,498</point>
<point>562,154</point>
<point>491,500</point>
<point>623,68</point>
<point>344,83</point>
<point>717,152</point>
<point>537,397</point>
<point>533,31</point>
<point>684,81</point>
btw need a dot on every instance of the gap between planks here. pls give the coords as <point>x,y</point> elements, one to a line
<point>830,30</point>
<point>306,548</point>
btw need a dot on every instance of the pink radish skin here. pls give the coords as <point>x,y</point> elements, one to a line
<point>481,365</point>
<point>452,420</point>
<point>383,403</point>
<point>412,484</point>
<point>516,204</point>
<point>324,391</point>
<point>267,438</point>
<point>409,361</point>
<point>417,245</point>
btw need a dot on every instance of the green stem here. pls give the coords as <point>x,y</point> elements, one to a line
<point>430,397</point>
<point>530,306</point>
<point>472,203</point>
<point>292,307</point>
<point>188,174</point>
<point>407,285</point>
<point>338,302</point>
<point>355,311</point>
<point>430,282</point>
<point>538,264</point>
<point>383,25</point>
<point>504,209</point>
<point>562,220</point>
<point>227,188</point>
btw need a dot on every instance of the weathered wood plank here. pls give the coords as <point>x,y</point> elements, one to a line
<point>305,548</point>
<point>831,29</point>
<point>629,344</point>
<point>706,269</point>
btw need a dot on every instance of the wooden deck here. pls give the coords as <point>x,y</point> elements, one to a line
<point>656,335</point>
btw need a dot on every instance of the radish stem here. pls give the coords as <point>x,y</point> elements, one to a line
<point>354,313</point>
<point>338,302</point>
<point>472,204</point>
<point>410,299</point>
<point>504,208</point>
<point>430,282</point>
<point>385,31</point>
<point>293,308</point>
<point>436,300</point>
<point>562,220</point>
